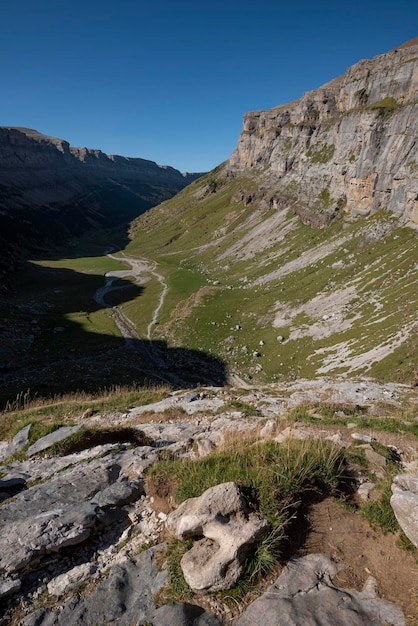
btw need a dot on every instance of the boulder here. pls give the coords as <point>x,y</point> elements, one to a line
<point>404,502</point>
<point>230,532</point>
<point>191,516</point>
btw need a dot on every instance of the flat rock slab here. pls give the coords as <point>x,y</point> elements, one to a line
<point>183,614</point>
<point>304,594</point>
<point>124,598</point>
<point>22,543</point>
<point>189,402</point>
<point>58,435</point>
<point>62,511</point>
<point>66,489</point>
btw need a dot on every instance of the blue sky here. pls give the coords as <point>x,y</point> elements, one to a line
<point>171,81</point>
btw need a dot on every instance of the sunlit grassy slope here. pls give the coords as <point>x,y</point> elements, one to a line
<point>274,297</point>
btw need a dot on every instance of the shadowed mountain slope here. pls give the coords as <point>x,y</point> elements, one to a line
<point>50,191</point>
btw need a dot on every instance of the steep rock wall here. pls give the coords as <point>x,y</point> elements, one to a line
<point>352,143</point>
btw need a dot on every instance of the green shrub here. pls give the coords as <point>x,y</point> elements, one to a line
<point>387,104</point>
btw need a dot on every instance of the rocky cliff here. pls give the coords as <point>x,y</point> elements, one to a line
<point>50,191</point>
<point>351,144</point>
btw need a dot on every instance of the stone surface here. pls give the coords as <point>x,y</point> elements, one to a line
<point>58,435</point>
<point>26,541</point>
<point>404,502</point>
<point>189,519</point>
<point>304,594</point>
<point>183,614</point>
<point>18,442</point>
<point>101,489</point>
<point>125,598</point>
<point>60,585</point>
<point>119,493</point>
<point>341,137</point>
<point>219,514</point>
<point>9,587</point>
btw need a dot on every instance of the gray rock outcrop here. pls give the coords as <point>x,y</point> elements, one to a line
<point>76,532</point>
<point>404,502</point>
<point>58,435</point>
<point>349,144</point>
<point>125,598</point>
<point>304,594</point>
<point>231,532</point>
<point>18,442</point>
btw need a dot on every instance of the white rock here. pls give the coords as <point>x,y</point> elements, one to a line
<point>65,582</point>
<point>404,502</point>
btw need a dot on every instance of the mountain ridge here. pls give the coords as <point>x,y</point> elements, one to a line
<point>50,192</point>
<point>351,141</point>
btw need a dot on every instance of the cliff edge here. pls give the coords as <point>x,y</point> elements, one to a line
<point>351,144</point>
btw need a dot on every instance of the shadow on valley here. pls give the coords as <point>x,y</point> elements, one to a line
<point>55,337</point>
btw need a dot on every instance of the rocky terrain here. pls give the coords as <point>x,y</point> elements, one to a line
<point>50,191</point>
<point>84,532</point>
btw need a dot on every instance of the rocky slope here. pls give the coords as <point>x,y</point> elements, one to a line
<point>350,144</point>
<point>84,532</point>
<point>50,191</point>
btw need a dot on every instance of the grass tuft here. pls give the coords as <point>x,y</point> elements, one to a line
<point>89,437</point>
<point>274,477</point>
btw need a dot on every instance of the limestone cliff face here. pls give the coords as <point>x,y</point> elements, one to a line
<point>352,144</point>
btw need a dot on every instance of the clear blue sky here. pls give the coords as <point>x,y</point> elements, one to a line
<point>171,81</point>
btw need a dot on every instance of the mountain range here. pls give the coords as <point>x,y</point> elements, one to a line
<point>242,437</point>
<point>50,191</point>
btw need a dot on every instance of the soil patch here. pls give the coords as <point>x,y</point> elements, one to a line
<point>362,552</point>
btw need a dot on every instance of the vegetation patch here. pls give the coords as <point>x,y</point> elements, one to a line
<point>52,413</point>
<point>89,437</point>
<point>388,104</point>
<point>321,155</point>
<point>275,479</point>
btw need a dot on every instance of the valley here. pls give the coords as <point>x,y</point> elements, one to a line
<point>208,398</point>
<point>259,291</point>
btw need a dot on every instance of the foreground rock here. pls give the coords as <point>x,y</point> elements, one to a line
<point>404,502</point>
<point>231,532</point>
<point>125,597</point>
<point>82,520</point>
<point>304,594</point>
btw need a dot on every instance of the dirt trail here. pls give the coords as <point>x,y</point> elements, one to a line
<point>140,271</point>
